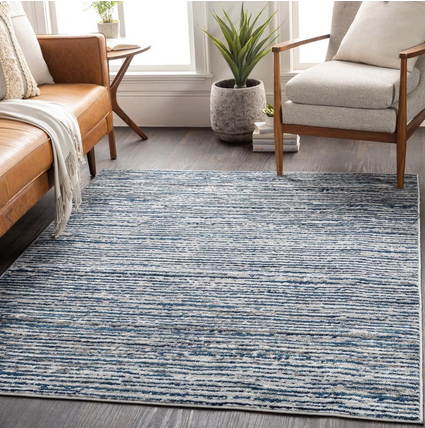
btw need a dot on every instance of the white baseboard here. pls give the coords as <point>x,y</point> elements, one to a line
<point>166,110</point>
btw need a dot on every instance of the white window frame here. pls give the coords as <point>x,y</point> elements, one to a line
<point>42,15</point>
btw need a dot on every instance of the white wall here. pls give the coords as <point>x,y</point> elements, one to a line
<point>165,101</point>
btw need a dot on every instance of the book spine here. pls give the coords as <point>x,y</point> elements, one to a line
<point>270,148</point>
<point>271,135</point>
<point>265,130</point>
<point>270,141</point>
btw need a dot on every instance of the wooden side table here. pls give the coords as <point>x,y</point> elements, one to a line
<point>128,56</point>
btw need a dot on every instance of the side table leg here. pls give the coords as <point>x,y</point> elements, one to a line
<point>120,112</point>
<point>115,107</point>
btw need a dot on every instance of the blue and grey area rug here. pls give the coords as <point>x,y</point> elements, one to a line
<point>233,290</point>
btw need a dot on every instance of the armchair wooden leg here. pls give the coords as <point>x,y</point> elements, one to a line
<point>278,147</point>
<point>92,162</point>
<point>278,134</point>
<point>402,124</point>
<point>401,158</point>
<point>112,145</point>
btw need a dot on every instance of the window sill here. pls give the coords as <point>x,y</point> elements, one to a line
<point>163,77</point>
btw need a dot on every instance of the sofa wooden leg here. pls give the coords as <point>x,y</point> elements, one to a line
<point>112,145</point>
<point>92,162</point>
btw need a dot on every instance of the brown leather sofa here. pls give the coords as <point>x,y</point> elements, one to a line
<point>79,68</point>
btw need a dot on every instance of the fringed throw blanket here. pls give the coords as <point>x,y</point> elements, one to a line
<point>61,126</point>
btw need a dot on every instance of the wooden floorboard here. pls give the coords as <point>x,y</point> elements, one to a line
<point>192,149</point>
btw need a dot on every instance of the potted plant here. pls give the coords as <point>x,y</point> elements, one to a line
<point>268,114</point>
<point>237,103</point>
<point>108,26</point>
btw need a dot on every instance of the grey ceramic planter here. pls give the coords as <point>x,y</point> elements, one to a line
<point>111,30</point>
<point>234,111</point>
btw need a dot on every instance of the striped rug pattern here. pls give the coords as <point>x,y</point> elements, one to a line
<point>227,290</point>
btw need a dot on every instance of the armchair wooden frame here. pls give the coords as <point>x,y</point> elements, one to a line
<point>403,130</point>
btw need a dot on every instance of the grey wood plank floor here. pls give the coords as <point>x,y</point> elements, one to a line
<point>192,149</point>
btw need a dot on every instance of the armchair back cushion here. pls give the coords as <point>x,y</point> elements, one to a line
<point>380,30</point>
<point>343,15</point>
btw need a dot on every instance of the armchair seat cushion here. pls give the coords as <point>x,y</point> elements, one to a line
<point>360,119</point>
<point>348,84</point>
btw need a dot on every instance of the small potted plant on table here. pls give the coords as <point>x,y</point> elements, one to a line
<point>108,26</point>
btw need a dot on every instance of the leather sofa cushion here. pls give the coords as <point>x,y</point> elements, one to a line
<point>25,150</point>
<point>90,103</point>
<point>25,153</point>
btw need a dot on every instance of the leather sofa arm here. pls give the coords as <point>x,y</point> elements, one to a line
<point>76,59</point>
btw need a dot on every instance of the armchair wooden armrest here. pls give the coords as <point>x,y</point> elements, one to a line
<point>290,44</point>
<point>404,55</point>
<point>76,59</point>
<point>413,51</point>
<point>405,130</point>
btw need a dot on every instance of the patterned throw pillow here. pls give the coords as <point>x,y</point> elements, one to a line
<point>29,44</point>
<point>16,80</point>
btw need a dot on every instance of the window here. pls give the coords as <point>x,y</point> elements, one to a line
<point>169,32</point>
<point>71,18</point>
<point>171,37</point>
<point>310,19</point>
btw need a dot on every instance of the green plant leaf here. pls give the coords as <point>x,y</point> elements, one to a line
<point>232,26</point>
<point>227,32</point>
<point>226,54</point>
<point>242,16</point>
<point>217,42</point>
<point>236,46</point>
<point>243,31</point>
<point>251,29</point>
<point>250,67</point>
<point>246,45</point>
<point>244,51</point>
<point>261,29</point>
<point>261,44</point>
<point>104,9</point>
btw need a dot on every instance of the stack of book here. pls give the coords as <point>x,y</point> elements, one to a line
<point>263,139</point>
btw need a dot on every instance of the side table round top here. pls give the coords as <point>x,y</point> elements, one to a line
<point>125,53</point>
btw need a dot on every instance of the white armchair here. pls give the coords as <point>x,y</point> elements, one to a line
<point>351,100</point>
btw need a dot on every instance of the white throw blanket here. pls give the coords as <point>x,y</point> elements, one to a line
<point>61,126</point>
